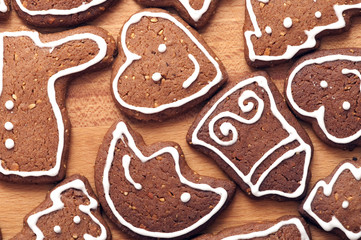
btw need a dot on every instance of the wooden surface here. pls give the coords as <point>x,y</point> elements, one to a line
<point>92,111</point>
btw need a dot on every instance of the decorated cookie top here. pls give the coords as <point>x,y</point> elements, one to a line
<point>164,67</point>
<point>250,133</point>
<point>150,191</point>
<point>272,39</point>
<point>325,89</point>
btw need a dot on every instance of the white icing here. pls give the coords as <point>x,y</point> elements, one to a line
<point>319,114</point>
<point>263,1</point>
<point>195,74</point>
<point>121,132</point>
<point>9,143</point>
<point>8,126</point>
<point>268,30</point>
<point>162,48</point>
<point>34,36</point>
<point>327,190</point>
<point>9,105</point>
<point>273,229</point>
<point>55,197</point>
<point>185,197</point>
<point>345,204</point>
<point>126,163</point>
<point>291,51</point>
<point>156,76</point>
<point>293,136</point>
<point>287,22</point>
<point>57,229</point>
<point>318,14</point>
<point>193,13</point>
<point>134,57</point>
<point>346,105</point>
<point>76,219</point>
<point>323,84</point>
<point>82,8</point>
<point>3,7</point>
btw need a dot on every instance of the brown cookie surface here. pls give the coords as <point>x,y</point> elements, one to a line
<point>150,192</point>
<point>196,12</point>
<point>59,13</point>
<point>164,67</point>
<point>70,211</point>
<point>35,70</point>
<point>324,89</point>
<point>250,133</point>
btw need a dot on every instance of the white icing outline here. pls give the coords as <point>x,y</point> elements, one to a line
<point>291,51</point>
<point>3,7</point>
<point>82,8</point>
<point>327,191</point>
<point>319,114</point>
<point>55,197</point>
<point>126,163</point>
<point>121,132</point>
<point>193,13</point>
<point>303,147</point>
<point>195,74</point>
<point>34,36</point>
<point>130,57</point>
<point>273,229</point>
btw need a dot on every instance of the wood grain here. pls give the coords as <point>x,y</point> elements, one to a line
<point>92,111</point>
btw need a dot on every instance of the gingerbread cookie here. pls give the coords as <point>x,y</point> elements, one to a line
<point>55,13</point>
<point>249,131</point>
<point>35,69</point>
<point>150,192</point>
<point>333,202</point>
<point>295,30</point>
<point>164,67</point>
<point>197,12</point>
<point>4,8</point>
<point>287,227</point>
<point>324,89</point>
<point>70,211</point>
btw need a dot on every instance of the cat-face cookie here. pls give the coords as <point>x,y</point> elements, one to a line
<point>196,12</point>
<point>59,13</point>
<point>325,89</point>
<point>70,211</point>
<point>334,203</point>
<point>150,192</point>
<point>248,130</point>
<point>164,67</point>
<point>35,69</point>
<point>295,30</point>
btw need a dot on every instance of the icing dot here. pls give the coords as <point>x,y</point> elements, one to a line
<point>346,105</point>
<point>57,229</point>
<point>287,22</point>
<point>185,197</point>
<point>318,14</point>
<point>268,30</point>
<point>156,76</point>
<point>9,105</point>
<point>345,204</point>
<point>162,48</point>
<point>9,143</point>
<point>8,126</point>
<point>323,84</point>
<point>76,219</point>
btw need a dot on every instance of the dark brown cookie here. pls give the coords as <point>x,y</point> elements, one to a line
<point>70,211</point>
<point>272,39</point>
<point>196,12</point>
<point>59,13</point>
<point>287,227</point>
<point>35,71</point>
<point>4,9</point>
<point>249,131</point>
<point>164,67</point>
<point>150,192</point>
<point>324,89</point>
<point>334,202</point>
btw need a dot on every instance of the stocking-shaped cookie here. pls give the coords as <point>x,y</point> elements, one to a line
<point>248,130</point>
<point>271,38</point>
<point>164,67</point>
<point>35,69</point>
<point>195,12</point>
<point>150,192</point>
<point>70,211</point>
<point>287,227</point>
<point>4,8</point>
<point>59,13</point>
<point>324,89</point>
<point>334,203</point>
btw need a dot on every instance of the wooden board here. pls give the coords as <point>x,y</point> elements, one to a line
<point>92,111</point>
